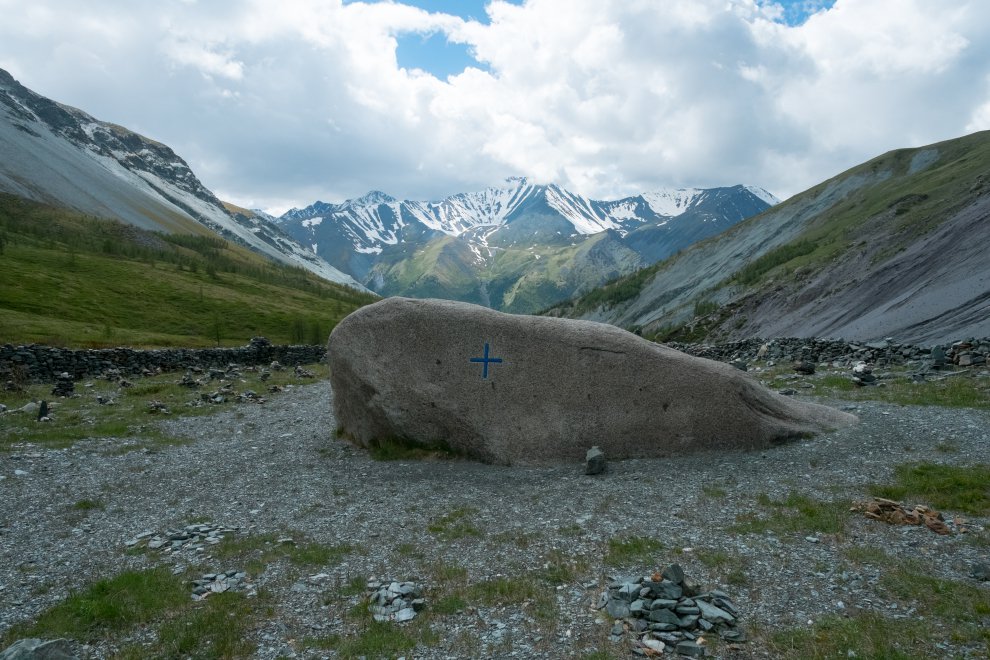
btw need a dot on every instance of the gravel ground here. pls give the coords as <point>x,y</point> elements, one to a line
<point>276,468</point>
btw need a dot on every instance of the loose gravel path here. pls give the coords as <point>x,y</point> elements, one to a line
<point>277,468</point>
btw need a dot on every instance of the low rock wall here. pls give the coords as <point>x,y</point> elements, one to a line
<point>969,352</point>
<point>38,363</point>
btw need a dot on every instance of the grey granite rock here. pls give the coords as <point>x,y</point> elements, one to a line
<point>527,390</point>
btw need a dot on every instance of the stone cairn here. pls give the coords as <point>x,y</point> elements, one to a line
<point>394,601</point>
<point>64,386</point>
<point>669,608</point>
<point>218,583</point>
<point>191,538</point>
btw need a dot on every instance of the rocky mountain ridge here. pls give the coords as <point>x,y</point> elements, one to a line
<point>60,155</point>
<point>518,247</point>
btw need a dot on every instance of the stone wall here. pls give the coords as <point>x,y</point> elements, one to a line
<point>969,352</point>
<point>44,363</point>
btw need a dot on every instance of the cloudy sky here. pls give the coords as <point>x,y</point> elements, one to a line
<point>277,103</point>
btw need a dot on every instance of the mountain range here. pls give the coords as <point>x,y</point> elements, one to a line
<point>57,154</point>
<point>894,247</point>
<point>518,247</point>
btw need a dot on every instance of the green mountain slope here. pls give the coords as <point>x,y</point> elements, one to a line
<point>511,277</point>
<point>75,280</point>
<point>895,246</point>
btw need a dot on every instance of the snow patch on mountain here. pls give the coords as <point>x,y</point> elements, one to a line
<point>672,203</point>
<point>764,195</point>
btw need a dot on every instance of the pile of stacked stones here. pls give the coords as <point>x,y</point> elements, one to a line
<point>669,608</point>
<point>64,385</point>
<point>44,363</point>
<point>217,583</point>
<point>394,601</point>
<point>192,538</point>
<point>886,352</point>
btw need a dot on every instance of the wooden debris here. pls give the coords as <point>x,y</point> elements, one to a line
<point>895,513</point>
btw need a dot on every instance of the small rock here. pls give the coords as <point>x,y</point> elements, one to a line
<point>405,614</point>
<point>654,644</point>
<point>594,461</point>
<point>38,649</point>
<point>690,649</point>
<point>674,573</point>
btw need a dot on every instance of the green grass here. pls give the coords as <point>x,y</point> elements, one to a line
<point>127,419</point>
<point>795,514</point>
<point>217,628</point>
<point>868,635</point>
<point>560,568</point>
<point>403,449</point>
<point>960,611</point>
<point>525,590</point>
<point>730,567</point>
<point>455,525</point>
<point>130,599</point>
<point>961,391</point>
<point>754,270</point>
<point>256,551</point>
<point>87,505</point>
<point>314,554</point>
<point>633,550</point>
<point>80,281</point>
<point>375,640</point>
<point>944,487</point>
<point>714,492</point>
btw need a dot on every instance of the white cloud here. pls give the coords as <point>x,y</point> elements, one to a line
<point>280,103</point>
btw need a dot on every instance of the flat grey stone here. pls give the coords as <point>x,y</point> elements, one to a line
<point>405,614</point>
<point>690,649</point>
<point>713,613</point>
<point>515,389</point>
<point>617,608</point>
<point>674,573</point>
<point>38,649</point>
<point>664,615</point>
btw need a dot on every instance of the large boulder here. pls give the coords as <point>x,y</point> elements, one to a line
<point>529,390</point>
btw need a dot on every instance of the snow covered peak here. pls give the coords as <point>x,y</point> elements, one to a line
<point>372,198</point>
<point>763,194</point>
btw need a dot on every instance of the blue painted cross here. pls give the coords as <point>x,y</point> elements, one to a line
<point>485,360</point>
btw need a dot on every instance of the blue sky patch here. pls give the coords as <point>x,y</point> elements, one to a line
<point>433,53</point>
<point>797,12</point>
